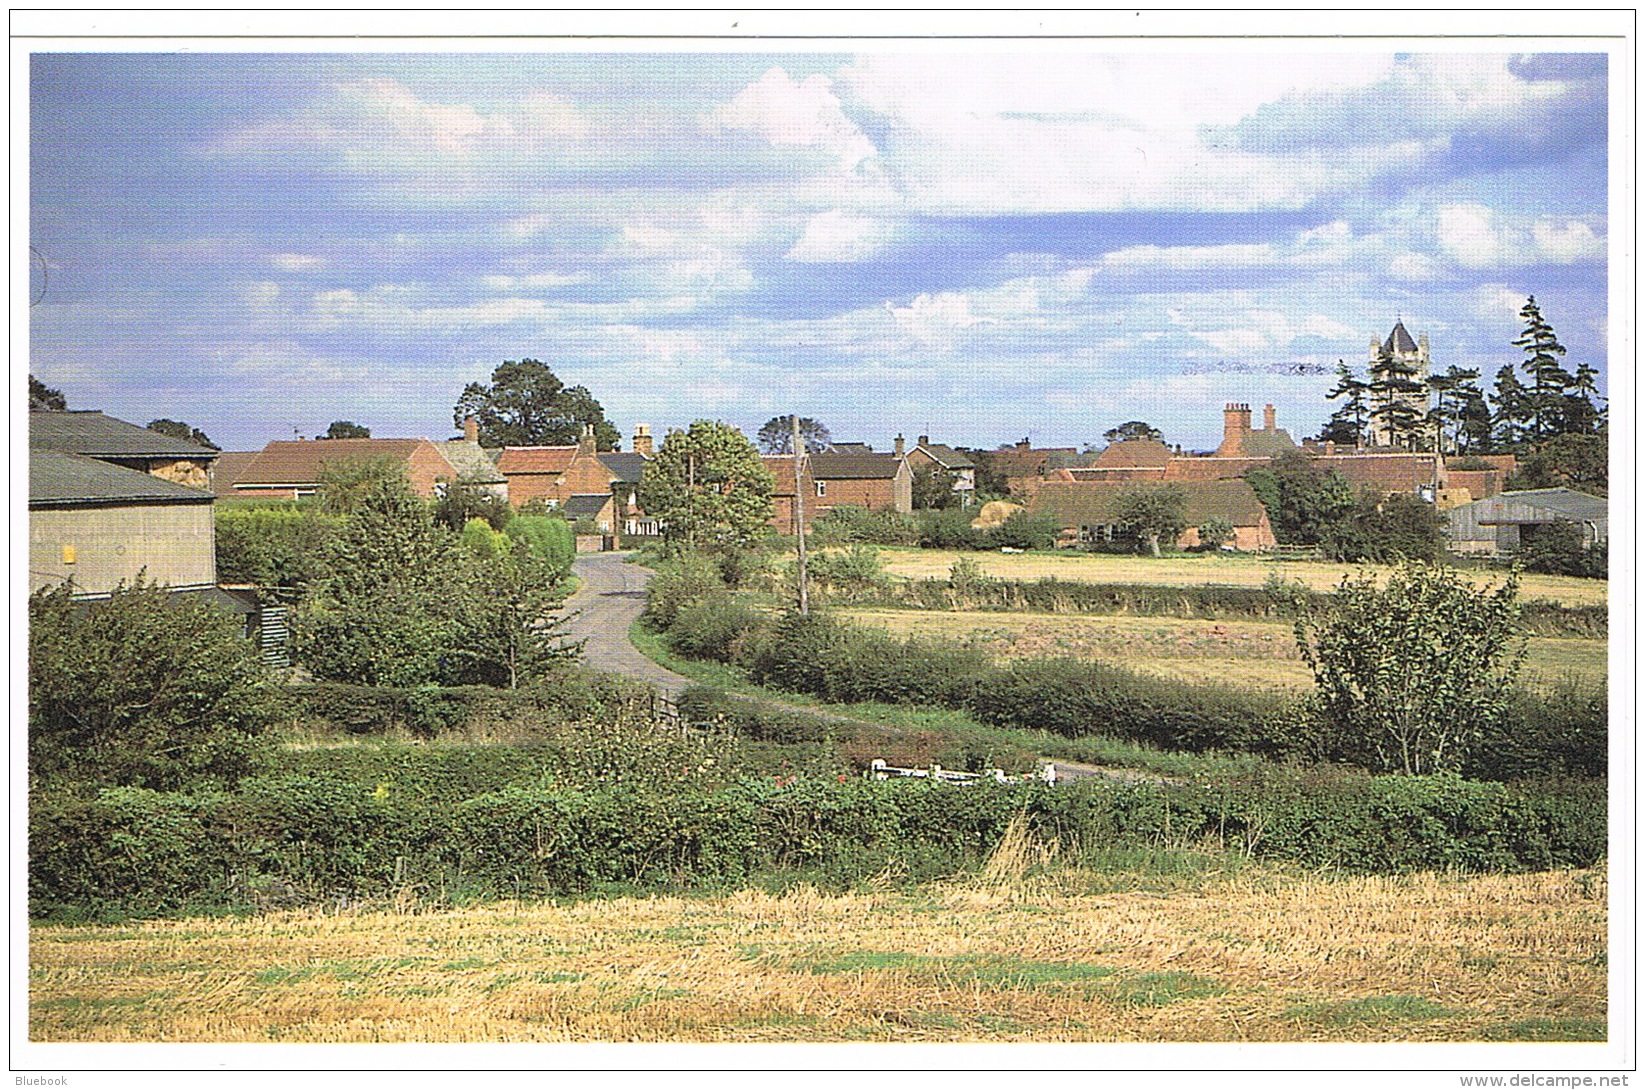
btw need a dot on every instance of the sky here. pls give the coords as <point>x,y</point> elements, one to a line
<point>977,247</point>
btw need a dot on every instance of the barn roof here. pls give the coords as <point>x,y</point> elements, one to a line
<point>99,436</point>
<point>60,479</point>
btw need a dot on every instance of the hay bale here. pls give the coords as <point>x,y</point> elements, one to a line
<point>994,514</point>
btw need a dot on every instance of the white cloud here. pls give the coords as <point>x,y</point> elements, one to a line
<point>1336,231</point>
<point>1496,303</point>
<point>1414,267</point>
<point>836,236</point>
<point>532,281</point>
<point>803,114</point>
<point>935,320</point>
<point>296,263</point>
<point>1468,233</point>
<point>1148,258</point>
<point>1573,242</point>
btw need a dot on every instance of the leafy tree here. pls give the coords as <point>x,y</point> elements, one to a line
<point>1301,499</point>
<point>776,436</point>
<point>549,538</point>
<point>1385,530</point>
<point>1347,424</point>
<point>382,614</point>
<point>463,502</point>
<point>176,429</point>
<point>346,429</point>
<point>145,689</point>
<point>1411,675</point>
<point>526,405</point>
<point>1133,429</point>
<point>1215,533</point>
<point>1153,513</point>
<point>44,396</point>
<point>1561,548</point>
<point>708,487</point>
<point>933,489</point>
<point>345,482</point>
<point>1549,379</point>
<point>1567,461</point>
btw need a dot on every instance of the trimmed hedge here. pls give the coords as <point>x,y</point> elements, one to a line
<point>292,839</point>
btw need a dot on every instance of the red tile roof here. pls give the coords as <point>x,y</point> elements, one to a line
<point>514,460</point>
<point>1134,453</point>
<point>298,461</point>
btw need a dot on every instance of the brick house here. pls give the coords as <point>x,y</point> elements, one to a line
<point>1087,512</point>
<point>557,474</point>
<point>291,468</point>
<point>784,494</point>
<point>879,482</point>
<point>957,464</point>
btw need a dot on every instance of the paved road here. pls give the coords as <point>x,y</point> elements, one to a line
<point>610,599</point>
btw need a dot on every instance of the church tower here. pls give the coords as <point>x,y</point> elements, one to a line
<point>1398,372</point>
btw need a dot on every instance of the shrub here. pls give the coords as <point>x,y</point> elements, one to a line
<point>854,572</point>
<point>1215,533</point>
<point>950,529</point>
<point>1411,675</point>
<point>846,524</point>
<point>1560,549</point>
<point>549,538</point>
<point>145,689</point>
<point>1025,531</point>
<point>689,578</point>
<point>713,626</point>
<point>281,549</point>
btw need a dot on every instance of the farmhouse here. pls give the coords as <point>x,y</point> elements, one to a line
<point>879,482</point>
<point>1087,512</point>
<point>291,468</point>
<point>559,474</point>
<point>958,465</point>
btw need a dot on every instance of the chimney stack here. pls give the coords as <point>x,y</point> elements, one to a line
<point>1267,418</point>
<point>642,439</point>
<point>585,445</point>
<point>925,440</point>
<point>896,446</point>
<point>471,429</point>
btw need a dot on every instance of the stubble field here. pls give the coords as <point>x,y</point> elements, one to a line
<point>1252,954</point>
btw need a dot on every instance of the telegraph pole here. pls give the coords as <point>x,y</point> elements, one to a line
<point>799,513</point>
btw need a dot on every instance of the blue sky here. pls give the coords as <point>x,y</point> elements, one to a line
<point>979,247</point>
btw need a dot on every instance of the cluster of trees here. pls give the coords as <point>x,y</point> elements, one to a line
<point>1308,505</point>
<point>1519,415</point>
<point>708,488</point>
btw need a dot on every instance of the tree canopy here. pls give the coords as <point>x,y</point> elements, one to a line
<point>1133,429</point>
<point>708,487</point>
<point>776,436</point>
<point>526,405</point>
<point>176,429</point>
<point>346,429</point>
<point>1154,513</point>
<point>44,396</point>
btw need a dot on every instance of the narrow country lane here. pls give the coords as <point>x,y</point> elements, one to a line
<point>611,598</point>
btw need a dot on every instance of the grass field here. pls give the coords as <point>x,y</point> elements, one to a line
<point>1184,951</point>
<point>1261,654</point>
<point>1239,571</point>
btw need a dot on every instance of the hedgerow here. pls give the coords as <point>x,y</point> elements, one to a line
<point>317,837</point>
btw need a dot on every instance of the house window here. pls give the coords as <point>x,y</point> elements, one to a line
<point>822,489</point>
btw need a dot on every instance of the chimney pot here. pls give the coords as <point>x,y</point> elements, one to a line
<point>642,440</point>
<point>896,446</point>
<point>925,440</point>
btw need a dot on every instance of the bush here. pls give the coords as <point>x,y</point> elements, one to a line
<point>1412,674</point>
<point>281,549</point>
<point>712,627</point>
<point>688,579</point>
<point>1025,531</point>
<point>1559,549</point>
<point>950,529</point>
<point>146,689</point>
<point>854,572</point>
<point>846,524</point>
<point>549,538</point>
